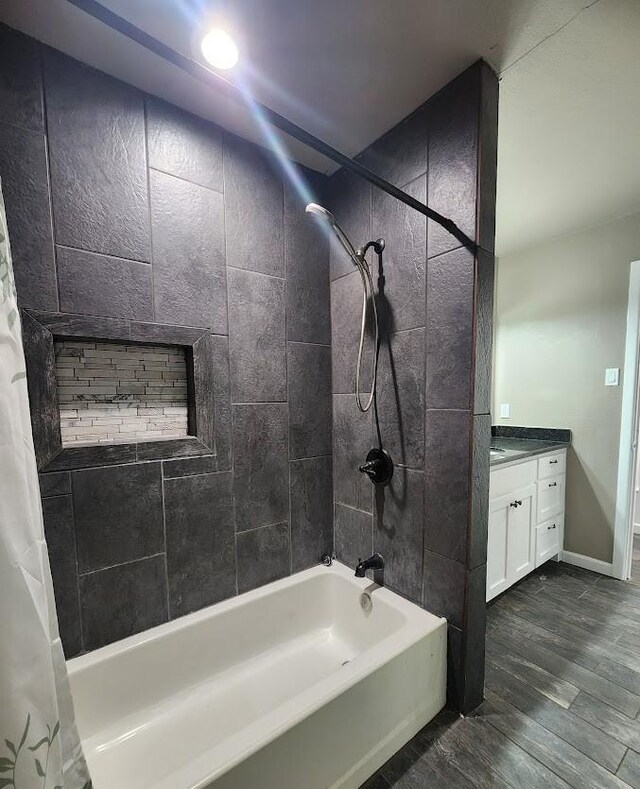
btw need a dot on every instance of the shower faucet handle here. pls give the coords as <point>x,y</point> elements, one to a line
<point>378,467</point>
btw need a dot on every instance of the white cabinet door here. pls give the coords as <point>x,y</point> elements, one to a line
<point>497,580</point>
<point>521,545</point>
<point>511,539</point>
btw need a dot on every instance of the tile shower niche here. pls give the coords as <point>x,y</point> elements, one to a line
<point>111,393</point>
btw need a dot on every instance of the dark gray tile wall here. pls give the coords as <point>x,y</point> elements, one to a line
<point>434,374</point>
<point>160,216</point>
<point>184,224</point>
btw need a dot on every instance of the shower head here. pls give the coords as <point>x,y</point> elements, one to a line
<point>318,210</point>
<point>323,213</point>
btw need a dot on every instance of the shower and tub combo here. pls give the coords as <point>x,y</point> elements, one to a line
<point>322,676</point>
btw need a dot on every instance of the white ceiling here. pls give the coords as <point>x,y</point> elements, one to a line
<point>348,70</point>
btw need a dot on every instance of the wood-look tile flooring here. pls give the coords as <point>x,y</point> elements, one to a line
<point>562,697</point>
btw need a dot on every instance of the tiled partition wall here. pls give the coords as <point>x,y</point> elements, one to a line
<point>436,311</point>
<point>122,206</point>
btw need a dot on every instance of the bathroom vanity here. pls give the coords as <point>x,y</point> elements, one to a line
<point>526,508</point>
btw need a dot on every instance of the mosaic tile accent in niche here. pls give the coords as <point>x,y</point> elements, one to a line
<point>111,393</point>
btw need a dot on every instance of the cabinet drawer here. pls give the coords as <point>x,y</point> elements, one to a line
<point>548,537</point>
<point>552,465</point>
<point>505,480</point>
<point>550,497</point>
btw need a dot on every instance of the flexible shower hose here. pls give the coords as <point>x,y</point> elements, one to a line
<point>367,292</point>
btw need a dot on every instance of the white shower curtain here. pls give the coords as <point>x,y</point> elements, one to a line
<point>39,743</point>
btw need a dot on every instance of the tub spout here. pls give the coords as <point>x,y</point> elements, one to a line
<point>375,563</point>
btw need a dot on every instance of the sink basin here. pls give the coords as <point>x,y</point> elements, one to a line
<point>499,452</point>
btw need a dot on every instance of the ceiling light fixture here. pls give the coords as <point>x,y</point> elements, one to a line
<point>219,49</point>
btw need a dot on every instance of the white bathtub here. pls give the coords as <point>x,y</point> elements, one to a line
<point>292,685</point>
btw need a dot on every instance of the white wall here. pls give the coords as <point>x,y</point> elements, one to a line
<point>560,321</point>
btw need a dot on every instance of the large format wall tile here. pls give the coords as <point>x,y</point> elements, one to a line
<point>453,158</point>
<point>57,483</point>
<point>444,587</point>
<point>306,251</point>
<point>260,464</point>
<point>23,170</point>
<point>311,511</point>
<point>60,535</point>
<point>189,275</point>
<point>200,541</point>
<point>483,345</point>
<point>309,397</point>
<point>352,432</point>
<point>404,258</point>
<point>401,397</point>
<point>222,402</point>
<point>353,534</point>
<point>263,556</point>
<point>184,145</point>
<point>97,151</point>
<point>349,200</point>
<point>403,153</point>
<point>257,337</point>
<point>118,514</point>
<point>120,601</point>
<point>480,472</point>
<point>346,315</point>
<point>398,532</point>
<point>20,82</point>
<point>253,195</point>
<point>159,254</point>
<point>449,336</point>
<point>447,482</point>
<point>92,284</point>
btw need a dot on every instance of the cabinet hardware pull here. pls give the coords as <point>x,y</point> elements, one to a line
<point>551,462</point>
<point>552,527</point>
<point>553,484</point>
<point>513,504</point>
<point>519,502</point>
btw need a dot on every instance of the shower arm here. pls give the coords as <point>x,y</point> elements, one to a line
<point>203,74</point>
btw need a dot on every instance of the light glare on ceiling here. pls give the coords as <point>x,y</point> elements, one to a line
<point>219,49</point>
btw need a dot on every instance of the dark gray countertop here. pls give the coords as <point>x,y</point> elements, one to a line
<point>519,448</point>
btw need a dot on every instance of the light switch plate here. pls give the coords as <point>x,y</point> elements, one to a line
<point>612,376</point>
<point>505,410</point>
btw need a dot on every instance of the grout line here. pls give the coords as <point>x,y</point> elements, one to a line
<point>310,457</point>
<point>147,171</point>
<point>182,177</point>
<point>121,564</point>
<point>261,273</point>
<point>198,474</point>
<point>315,344</point>
<point>111,257</point>
<point>287,373</point>
<point>232,451</point>
<point>258,528</point>
<point>75,545</point>
<point>47,156</point>
<point>164,539</point>
<point>351,507</point>
<point>446,252</point>
<point>261,402</point>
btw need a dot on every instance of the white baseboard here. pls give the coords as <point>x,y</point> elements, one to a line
<point>587,562</point>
